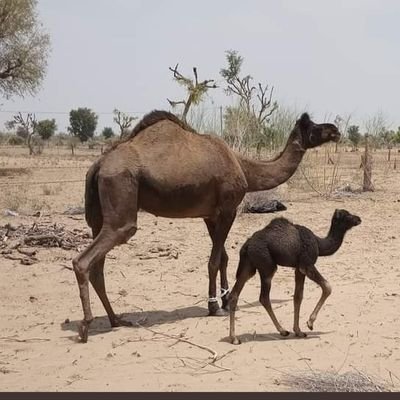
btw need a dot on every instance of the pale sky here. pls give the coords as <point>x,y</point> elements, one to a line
<point>328,57</point>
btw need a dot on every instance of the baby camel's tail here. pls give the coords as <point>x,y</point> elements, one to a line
<point>244,263</point>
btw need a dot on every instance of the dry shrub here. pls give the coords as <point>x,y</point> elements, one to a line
<point>37,204</point>
<point>14,199</point>
<point>325,381</point>
<point>14,171</point>
<point>325,172</point>
<point>17,199</point>
<point>51,189</point>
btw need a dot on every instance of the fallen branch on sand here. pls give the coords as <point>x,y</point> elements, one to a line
<point>180,339</point>
<point>18,238</point>
<point>214,354</point>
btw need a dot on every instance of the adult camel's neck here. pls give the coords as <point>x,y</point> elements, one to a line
<point>331,243</point>
<point>265,175</point>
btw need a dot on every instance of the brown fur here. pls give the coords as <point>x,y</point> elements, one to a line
<point>166,168</point>
<point>148,120</point>
<point>289,245</point>
<point>156,116</point>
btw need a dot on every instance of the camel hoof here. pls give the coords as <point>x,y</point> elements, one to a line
<point>225,302</point>
<point>84,331</point>
<point>235,341</point>
<point>301,334</point>
<point>310,325</point>
<point>220,312</point>
<point>118,321</point>
<point>213,307</point>
<point>284,333</point>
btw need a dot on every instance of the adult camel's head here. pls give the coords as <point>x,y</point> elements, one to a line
<point>313,134</point>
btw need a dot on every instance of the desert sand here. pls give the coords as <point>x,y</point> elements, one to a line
<point>159,281</point>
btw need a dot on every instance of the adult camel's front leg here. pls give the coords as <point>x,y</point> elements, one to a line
<point>222,226</point>
<point>223,264</point>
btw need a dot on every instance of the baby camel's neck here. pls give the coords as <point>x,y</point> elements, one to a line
<point>332,242</point>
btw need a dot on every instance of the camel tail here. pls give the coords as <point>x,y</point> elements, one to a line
<point>243,261</point>
<point>92,201</point>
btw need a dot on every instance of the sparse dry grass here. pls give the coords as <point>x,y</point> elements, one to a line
<point>325,172</point>
<point>14,198</point>
<point>326,381</point>
<point>12,172</point>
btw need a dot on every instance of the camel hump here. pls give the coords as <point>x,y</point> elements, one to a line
<point>156,116</point>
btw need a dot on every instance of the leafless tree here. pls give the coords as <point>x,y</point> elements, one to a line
<point>28,124</point>
<point>195,90</point>
<point>124,121</point>
<point>256,100</point>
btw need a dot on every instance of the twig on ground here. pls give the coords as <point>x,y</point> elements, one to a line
<point>179,339</point>
<point>30,340</point>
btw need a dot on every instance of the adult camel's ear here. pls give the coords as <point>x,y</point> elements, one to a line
<point>304,121</point>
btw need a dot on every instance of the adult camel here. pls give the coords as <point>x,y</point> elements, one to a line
<point>167,169</point>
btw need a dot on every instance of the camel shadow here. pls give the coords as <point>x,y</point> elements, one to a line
<point>245,304</point>
<point>270,337</point>
<point>101,324</point>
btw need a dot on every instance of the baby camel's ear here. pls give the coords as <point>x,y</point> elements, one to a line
<point>338,213</point>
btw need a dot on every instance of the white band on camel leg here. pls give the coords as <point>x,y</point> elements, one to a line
<point>224,292</point>
<point>212,300</point>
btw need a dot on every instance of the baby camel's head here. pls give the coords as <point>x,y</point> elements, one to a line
<point>345,220</point>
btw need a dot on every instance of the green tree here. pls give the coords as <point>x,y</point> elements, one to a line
<point>354,135</point>
<point>24,48</point>
<point>46,128</point>
<point>247,123</point>
<point>396,138</point>
<point>256,100</point>
<point>107,132</point>
<point>83,123</point>
<point>387,136</point>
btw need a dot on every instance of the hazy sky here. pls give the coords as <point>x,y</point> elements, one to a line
<point>329,57</point>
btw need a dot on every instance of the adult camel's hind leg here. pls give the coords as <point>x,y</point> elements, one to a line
<point>221,229</point>
<point>96,276</point>
<point>223,264</point>
<point>118,199</point>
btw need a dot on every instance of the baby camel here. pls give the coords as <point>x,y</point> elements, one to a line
<point>289,245</point>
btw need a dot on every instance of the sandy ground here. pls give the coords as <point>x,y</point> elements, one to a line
<point>358,328</point>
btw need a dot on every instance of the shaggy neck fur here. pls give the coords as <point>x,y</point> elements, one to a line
<point>265,175</point>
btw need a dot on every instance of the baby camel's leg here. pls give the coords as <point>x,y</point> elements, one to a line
<point>297,299</point>
<point>267,272</point>
<point>315,276</point>
<point>244,273</point>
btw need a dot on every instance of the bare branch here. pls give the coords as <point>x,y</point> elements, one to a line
<point>124,121</point>
<point>194,88</point>
<point>175,103</point>
<point>178,76</point>
<point>195,75</point>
